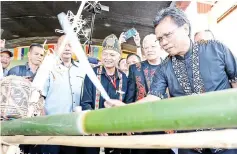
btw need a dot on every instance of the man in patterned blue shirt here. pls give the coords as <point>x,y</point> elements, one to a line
<point>190,68</point>
<point>35,58</point>
<point>28,71</point>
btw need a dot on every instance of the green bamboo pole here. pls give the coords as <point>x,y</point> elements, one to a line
<point>56,125</point>
<point>210,110</point>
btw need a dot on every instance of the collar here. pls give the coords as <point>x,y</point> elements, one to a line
<point>5,70</point>
<point>104,72</point>
<point>188,54</point>
<point>27,66</point>
<point>146,61</point>
<point>72,61</point>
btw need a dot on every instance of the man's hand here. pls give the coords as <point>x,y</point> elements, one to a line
<point>113,103</point>
<point>170,132</point>
<point>103,134</point>
<point>122,38</point>
<point>137,39</point>
<point>2,43</point>
<point>78,109</point>
<point>234,85</point>
<point>129,133</point>
<point>28,78</point>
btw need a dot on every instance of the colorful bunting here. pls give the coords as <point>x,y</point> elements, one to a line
<point>20,53</point>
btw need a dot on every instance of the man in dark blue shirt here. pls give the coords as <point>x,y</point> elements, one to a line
<point>35,58</point>
<point>141,73</point>
<point>190,68</point>
<point>140,79</point>
<point>112,79</point>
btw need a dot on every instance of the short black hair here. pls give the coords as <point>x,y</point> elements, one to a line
<point>133,54</point>
<point>35,45</point>
<point>206,30</point>
<point>177,15</point>
<point>120,61</point>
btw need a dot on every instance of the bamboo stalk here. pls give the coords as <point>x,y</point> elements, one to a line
<point>57,125</point>
<point>210,110</point>
<point>214,139</point>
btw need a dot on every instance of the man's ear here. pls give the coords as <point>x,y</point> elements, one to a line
<point>56,47</point>
<point>186,29</point>
<point>28,54</point>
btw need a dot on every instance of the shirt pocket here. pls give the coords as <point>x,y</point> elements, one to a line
<point>78,81</point>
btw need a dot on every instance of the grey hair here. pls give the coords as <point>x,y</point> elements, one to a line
<point>177,15</point>
<point>206,30</point>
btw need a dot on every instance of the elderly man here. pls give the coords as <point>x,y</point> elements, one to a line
<point>64,85</point>
<point>113,80</point>
<point>140,74</point>
<point>35,58</point>
<point>173,30</point>
<point>140,78</point>
<point>6,56</point>
<point>62,91</point>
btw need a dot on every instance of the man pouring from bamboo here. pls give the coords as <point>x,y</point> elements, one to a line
<point>62,90</point>
<point>190,68</point>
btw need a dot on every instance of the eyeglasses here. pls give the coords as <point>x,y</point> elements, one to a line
<point>168,35</point>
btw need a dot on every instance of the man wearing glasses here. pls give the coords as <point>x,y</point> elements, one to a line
<point>185,71</point>
<point>35,58</point>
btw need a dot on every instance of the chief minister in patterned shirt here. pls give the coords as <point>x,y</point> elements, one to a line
<point>190,68</point>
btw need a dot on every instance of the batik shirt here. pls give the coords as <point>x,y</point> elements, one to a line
<point>139,80</point>
<point>88,101</point>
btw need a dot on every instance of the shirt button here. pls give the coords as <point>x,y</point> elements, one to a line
<point>74,102</point>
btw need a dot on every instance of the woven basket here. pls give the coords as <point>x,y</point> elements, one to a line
<point>15,95</point>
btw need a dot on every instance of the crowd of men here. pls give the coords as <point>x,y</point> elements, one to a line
<point>163,67</point>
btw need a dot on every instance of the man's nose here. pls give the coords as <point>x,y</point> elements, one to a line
<point>163,42</point>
